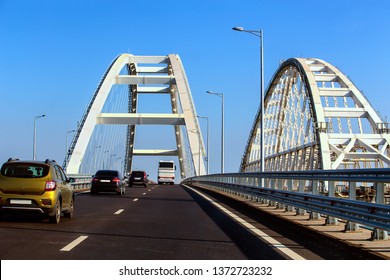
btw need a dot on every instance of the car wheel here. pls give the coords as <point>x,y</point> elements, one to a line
<point>69,213</point>
<point>55,219</point>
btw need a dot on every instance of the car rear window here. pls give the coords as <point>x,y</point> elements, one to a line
<point>24,170</point>
<point>137,174</point>
<point>112,173</point>
<point>166,164</point>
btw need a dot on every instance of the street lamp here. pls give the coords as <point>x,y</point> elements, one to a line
<point>259,33</point>
<point>94,156</point>
<point>208,132</point>
<point>66,146</point>
<point>105,152</point>
<point>220,94</point>
<point>199,155</point>
<point>35,134</point>
<point>109,165</point>
<point>66,141</point>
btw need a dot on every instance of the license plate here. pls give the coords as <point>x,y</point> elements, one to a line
<point>20,201</point>
<point>105,181</point>
<point>137,178</point>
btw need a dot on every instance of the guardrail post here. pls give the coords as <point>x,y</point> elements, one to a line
<point>289,208</point>
<point>329,219</point>
<point>278,183</point>
<point>301,187</point>
<point>314,215</point>
<point>379,234</point>
<point>351,226</point>
<point>263,199</point>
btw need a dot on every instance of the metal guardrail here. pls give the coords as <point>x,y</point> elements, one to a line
<point>80,183</point>
<point>315,192</point>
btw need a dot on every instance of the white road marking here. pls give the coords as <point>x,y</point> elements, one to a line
<point>135,199</point>
<point>144,193</point>
<point>256,231</point>
<point>74,243</point>
<point>119,211</point>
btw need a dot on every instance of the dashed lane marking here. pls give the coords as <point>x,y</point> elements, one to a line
<point>119,211</point>
<point>135,199</point>
<point>74,243</point>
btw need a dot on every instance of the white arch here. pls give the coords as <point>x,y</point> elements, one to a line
<point>316,118</point>
<point>165,71</point>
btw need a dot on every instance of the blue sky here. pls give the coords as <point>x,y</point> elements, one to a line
<point>54,53</point>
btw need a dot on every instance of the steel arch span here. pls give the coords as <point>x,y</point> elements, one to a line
<point>115,103</point>
<point>316,118</point>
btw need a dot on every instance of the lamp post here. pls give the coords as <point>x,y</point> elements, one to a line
<point>199,155</point>
<point>259,33</point>
<point>105,152</point>
<point>220,94</point>
<point>66,146</point>
<point>113,155</point>
<point>94,157</point>
<point>66,141</point>
<point>208,132</point>
<point>35,134</point>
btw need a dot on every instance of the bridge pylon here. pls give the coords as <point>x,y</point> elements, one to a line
<point>138,75</point>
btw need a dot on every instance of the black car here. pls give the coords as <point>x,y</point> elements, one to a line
<point>108,181</point>
<point>138,178</point>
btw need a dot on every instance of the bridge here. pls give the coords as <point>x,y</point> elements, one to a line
<point>325,153</point>
<point>314,119</point>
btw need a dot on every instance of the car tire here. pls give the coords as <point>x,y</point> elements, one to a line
<point>70,212</point>
<point>55,219</point>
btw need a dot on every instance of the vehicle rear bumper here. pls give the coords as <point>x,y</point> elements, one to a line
<point>98,188</point>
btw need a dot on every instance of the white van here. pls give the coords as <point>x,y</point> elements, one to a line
<point>166,172</point>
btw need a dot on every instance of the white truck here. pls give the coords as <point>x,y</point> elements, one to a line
<point>166,172</point>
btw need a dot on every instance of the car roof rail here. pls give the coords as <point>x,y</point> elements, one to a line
<point>12,159</point>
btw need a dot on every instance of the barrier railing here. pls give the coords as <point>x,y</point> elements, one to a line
<point>80,183</point>
<point>360,197</point>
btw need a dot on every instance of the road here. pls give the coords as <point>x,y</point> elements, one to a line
<point>165,223</point>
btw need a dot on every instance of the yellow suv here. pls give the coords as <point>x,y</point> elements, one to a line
<point>36,186</point>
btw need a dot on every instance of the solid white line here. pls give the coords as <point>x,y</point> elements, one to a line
<point>119,211</point>
<point>135,199</point>
<point>279,246</point>
<point>74,243</point>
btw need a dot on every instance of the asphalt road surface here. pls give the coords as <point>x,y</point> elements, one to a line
<point>165,223</point>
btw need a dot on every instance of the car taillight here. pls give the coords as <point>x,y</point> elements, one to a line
<point>50,186</point>
<point>116,180</point>
<point>95,180</point>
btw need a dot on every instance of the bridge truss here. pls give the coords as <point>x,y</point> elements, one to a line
<point>116,104</point>
<point>316,118</point>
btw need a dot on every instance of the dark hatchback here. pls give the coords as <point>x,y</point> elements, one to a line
<point>138,178</point>
<point>108,181</point>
